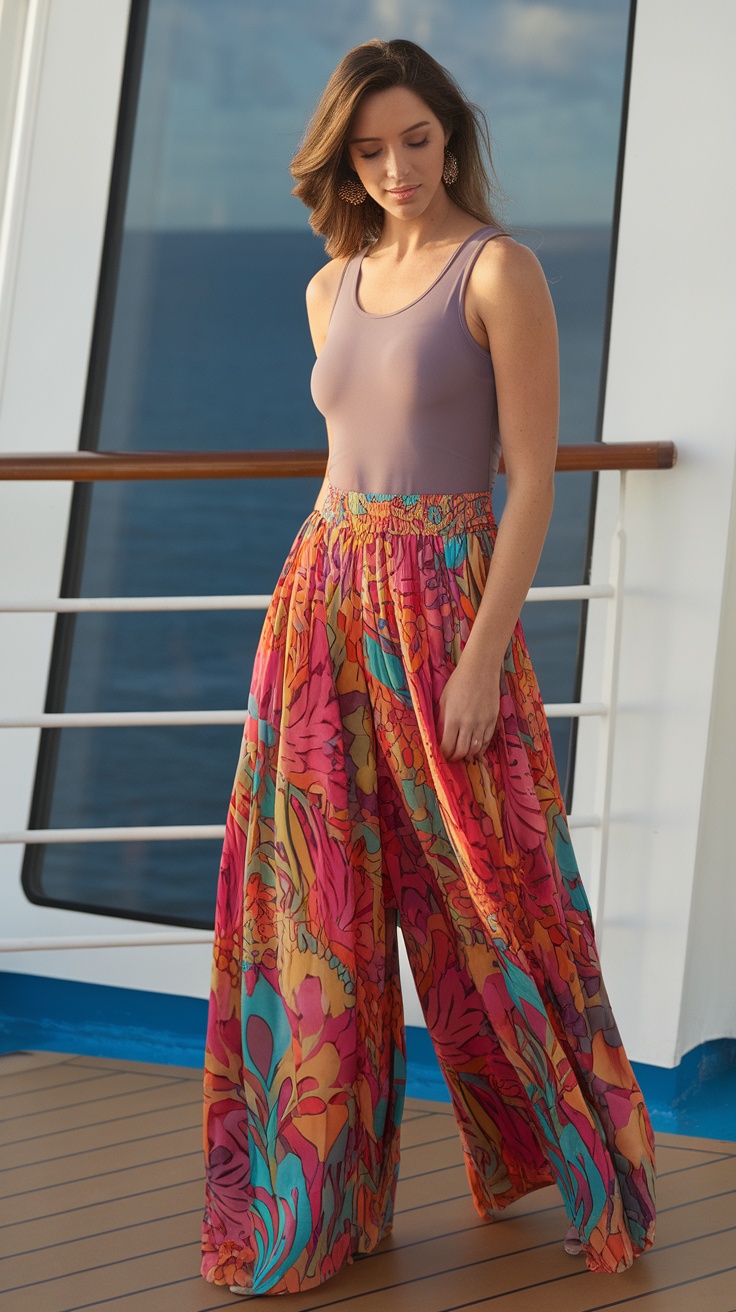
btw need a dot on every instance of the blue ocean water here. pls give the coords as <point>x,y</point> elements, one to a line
<point>211,350</point>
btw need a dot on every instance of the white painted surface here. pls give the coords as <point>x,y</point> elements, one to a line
<point>669,919</point>
<point>709,988</point>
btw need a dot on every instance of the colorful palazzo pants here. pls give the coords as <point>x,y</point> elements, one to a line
<point>346,821</point>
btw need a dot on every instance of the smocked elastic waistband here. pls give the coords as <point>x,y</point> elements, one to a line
<point>367,513</point>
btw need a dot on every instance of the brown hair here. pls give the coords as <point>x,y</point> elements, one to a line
<point>321,164</point>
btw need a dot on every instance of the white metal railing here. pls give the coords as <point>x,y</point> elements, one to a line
<point>114,834</point>
<point>597,823</point>
<point>246,601</point>
<point>108,719</point>
<point>67,941</point>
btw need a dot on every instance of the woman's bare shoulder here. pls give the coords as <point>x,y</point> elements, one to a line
<point>321,293</point>
<point>505,264</point>
<point>326,278</point>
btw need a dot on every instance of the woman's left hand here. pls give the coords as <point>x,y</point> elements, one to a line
<point>468,708</point>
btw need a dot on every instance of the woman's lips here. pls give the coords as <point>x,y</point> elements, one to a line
<point>403,193</point>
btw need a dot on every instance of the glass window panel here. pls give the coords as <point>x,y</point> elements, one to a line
<point>210,349</point>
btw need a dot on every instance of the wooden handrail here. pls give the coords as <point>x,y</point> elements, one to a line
<point>97,466</point>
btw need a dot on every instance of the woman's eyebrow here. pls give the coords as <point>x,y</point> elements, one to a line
<point>354,141</point>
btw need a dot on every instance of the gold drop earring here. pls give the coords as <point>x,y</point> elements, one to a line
<point>352,191</point>
<point>451,169</point>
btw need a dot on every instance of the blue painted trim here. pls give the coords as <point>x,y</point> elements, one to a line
<point>698,1097</point>
<point>99,1020</point>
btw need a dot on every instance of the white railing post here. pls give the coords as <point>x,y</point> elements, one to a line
<point>609,692</point>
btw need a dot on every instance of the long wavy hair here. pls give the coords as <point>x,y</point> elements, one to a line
<point>322,164</point>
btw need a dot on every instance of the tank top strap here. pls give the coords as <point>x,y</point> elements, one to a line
<point>461,266</point>
<point>347,284</point>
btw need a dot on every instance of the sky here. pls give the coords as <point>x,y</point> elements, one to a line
<point>228,87</point>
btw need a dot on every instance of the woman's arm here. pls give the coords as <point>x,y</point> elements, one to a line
<point>508,302</point>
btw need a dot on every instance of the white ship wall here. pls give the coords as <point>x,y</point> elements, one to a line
<point>669,922</point>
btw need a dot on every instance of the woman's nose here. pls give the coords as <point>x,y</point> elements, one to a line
<point>393,165</point>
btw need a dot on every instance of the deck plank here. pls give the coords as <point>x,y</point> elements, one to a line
<point>33,1080</point>
<point>84,1166</point>
<point>692,1143</point>
<point>193,1073</point>
<point>71,1143</point>
<point>25,1060</point>
<point>125,1182</point>
<point>99,1219</point>
<point>99,1087</point>
<point>152,1097</point>
<point>427,1130</point>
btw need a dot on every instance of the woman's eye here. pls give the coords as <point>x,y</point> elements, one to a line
<point>413,144</point>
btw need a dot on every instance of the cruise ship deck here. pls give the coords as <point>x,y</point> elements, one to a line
<point>102,1195</point>
<point>154,361</point>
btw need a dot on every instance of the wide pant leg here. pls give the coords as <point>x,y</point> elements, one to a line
<point>504,1158</point>
<point>305,1063</point>
<point>495,917</point>
<point>344,810</point>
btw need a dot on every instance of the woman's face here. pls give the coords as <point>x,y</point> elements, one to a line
<point>397,148</point>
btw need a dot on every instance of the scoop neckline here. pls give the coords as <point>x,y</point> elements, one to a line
<point>388,314</point>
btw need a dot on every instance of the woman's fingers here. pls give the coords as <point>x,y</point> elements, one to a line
<point>458,737</point>
<point>464,742</point>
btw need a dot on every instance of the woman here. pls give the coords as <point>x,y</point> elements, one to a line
<point>396,763</point>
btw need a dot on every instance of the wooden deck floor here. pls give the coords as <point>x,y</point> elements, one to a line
<point>102,1194</point>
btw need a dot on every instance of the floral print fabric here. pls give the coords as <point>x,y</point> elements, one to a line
<point>345,822</point>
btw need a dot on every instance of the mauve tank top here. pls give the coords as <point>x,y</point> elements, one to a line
<point>409,396</point>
